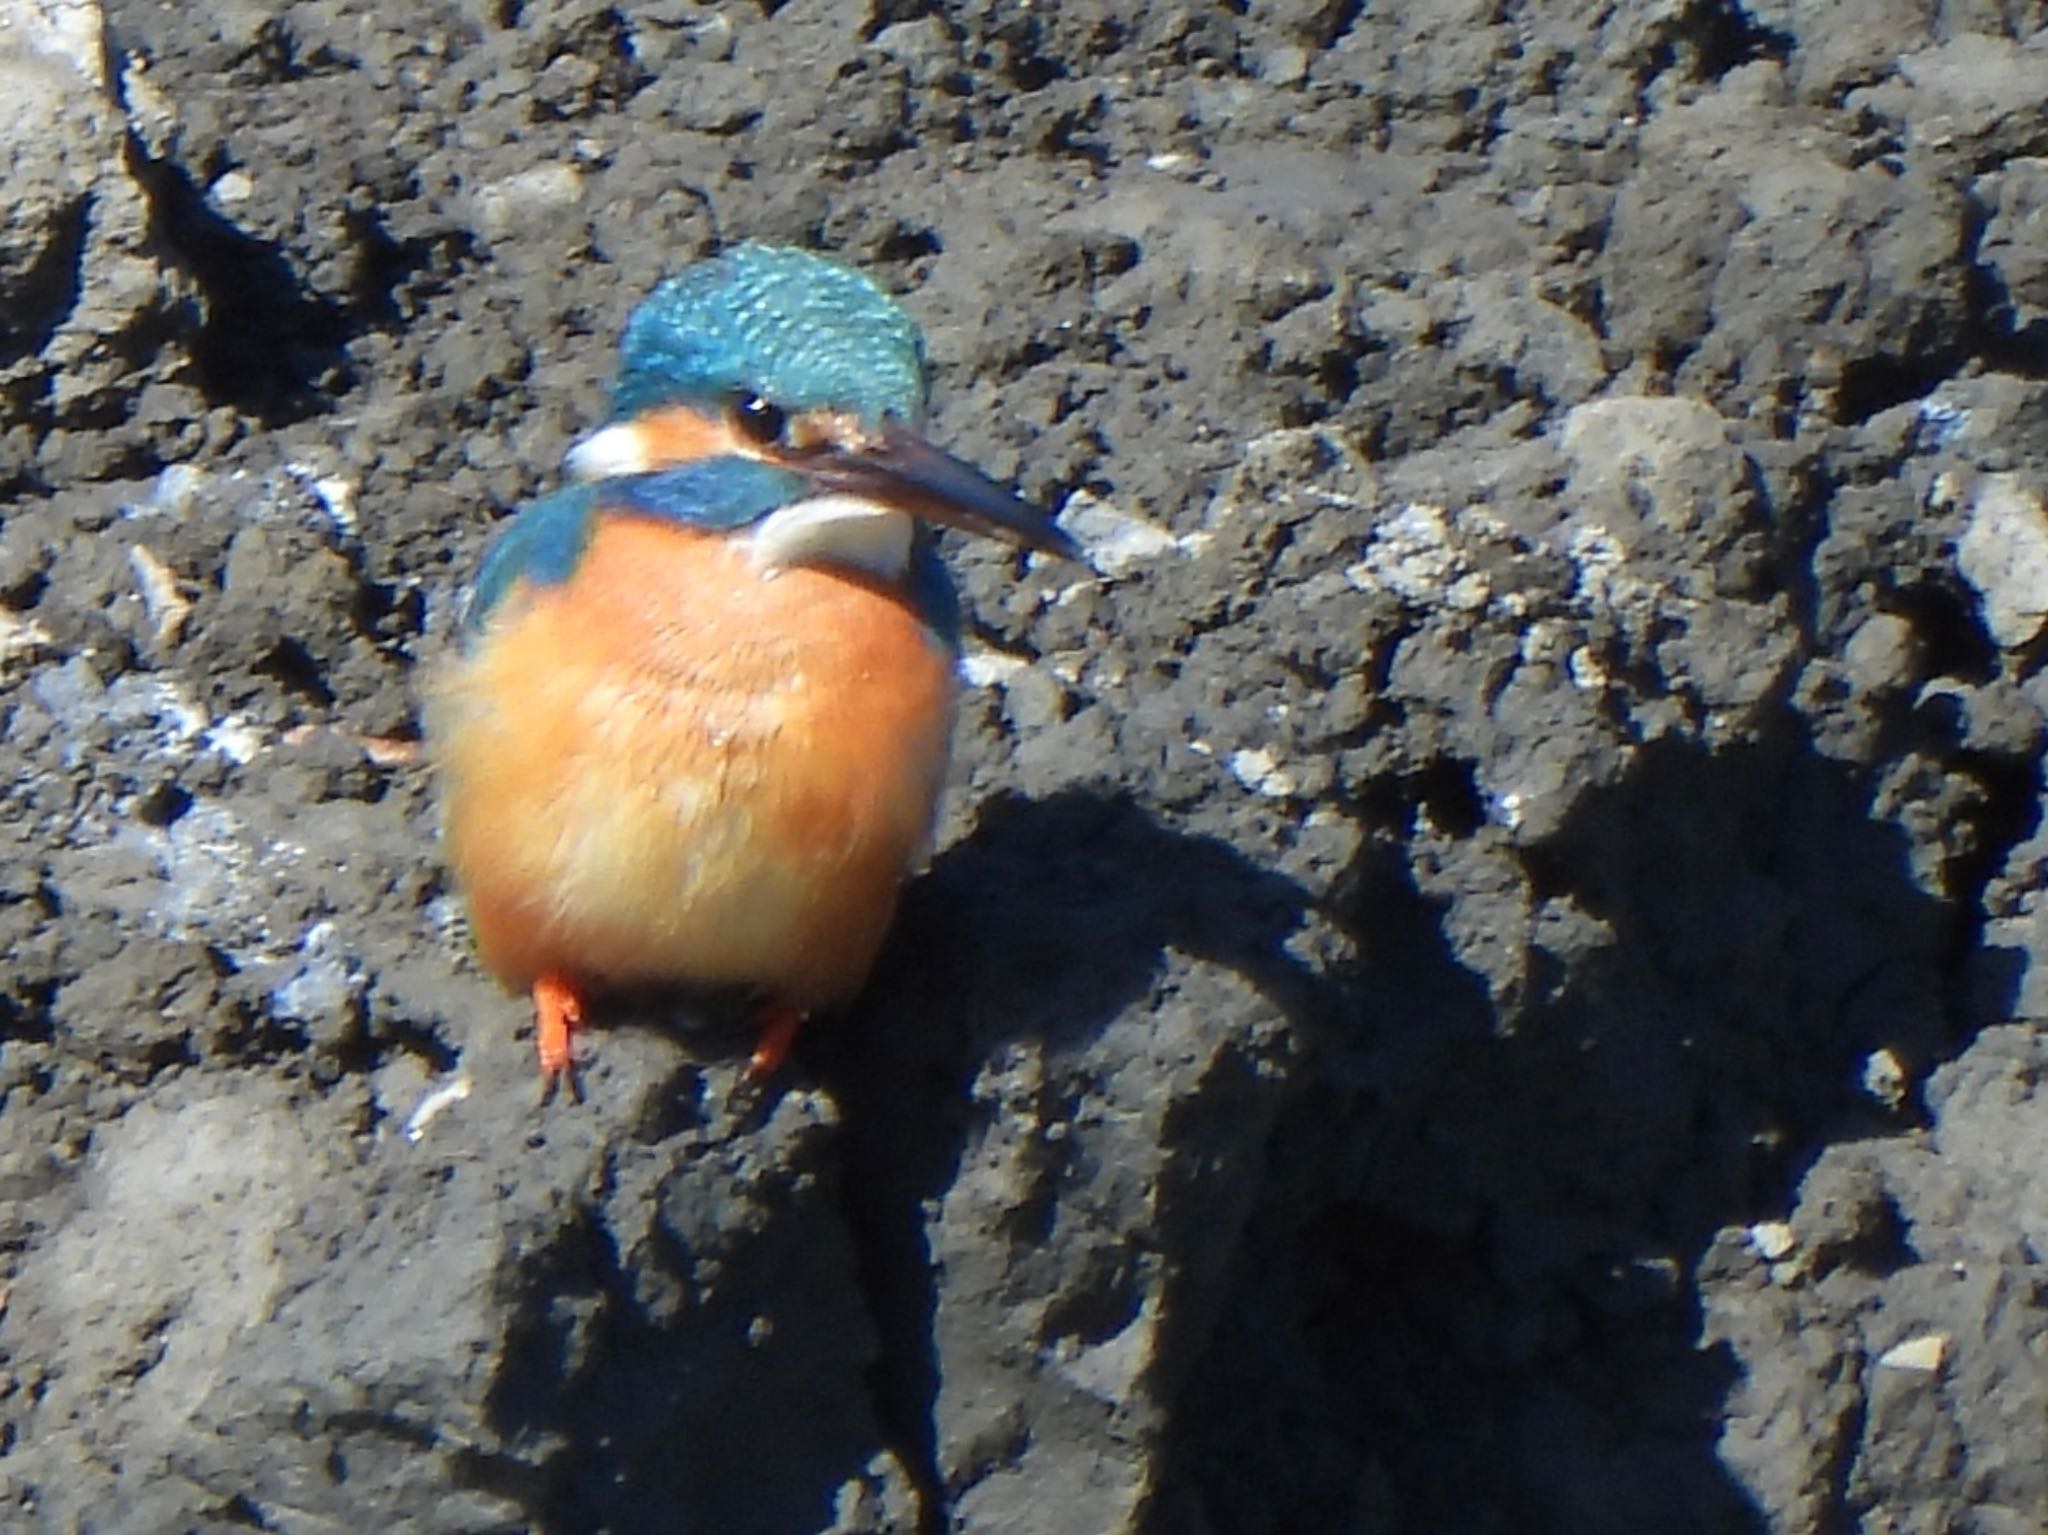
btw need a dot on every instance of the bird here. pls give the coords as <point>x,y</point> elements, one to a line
<point>697,723</point>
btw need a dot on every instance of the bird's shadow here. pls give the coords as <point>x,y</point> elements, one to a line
<point>1052,916</point>
<point>1468,1281</point>
<point>1048,921</point>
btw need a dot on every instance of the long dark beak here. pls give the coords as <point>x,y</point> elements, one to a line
<point>902,470</point>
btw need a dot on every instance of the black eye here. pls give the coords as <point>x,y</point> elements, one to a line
<point>761,420</point>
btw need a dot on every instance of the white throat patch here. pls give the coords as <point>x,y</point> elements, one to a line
<point>834,530</point>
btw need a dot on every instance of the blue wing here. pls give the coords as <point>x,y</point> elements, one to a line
<point>541,544</point>
<point>931,592</point>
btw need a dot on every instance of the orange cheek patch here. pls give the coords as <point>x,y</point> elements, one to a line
<point>680,435</point>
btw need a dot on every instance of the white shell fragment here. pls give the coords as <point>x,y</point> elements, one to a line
<point>1924,1353</point>
<point>446,1095</point>
<point>1258,770</point>
<point>2003,553</point>
<point>1771,1240</point>
<point>1114,540</point>
<point>167,607</point>
<point>1884,1078</point>
<point>985,668</point>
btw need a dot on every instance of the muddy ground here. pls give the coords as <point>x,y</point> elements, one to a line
<point>1486,970</point>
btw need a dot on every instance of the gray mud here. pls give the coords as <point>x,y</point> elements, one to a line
<point>1487,973</point>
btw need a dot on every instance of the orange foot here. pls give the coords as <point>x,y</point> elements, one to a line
<point>557,1012</point>
<point>779,1023</point>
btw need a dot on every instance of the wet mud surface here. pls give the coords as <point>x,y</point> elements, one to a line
<point>1481,970</point>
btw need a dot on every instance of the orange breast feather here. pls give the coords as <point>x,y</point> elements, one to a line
<point>674,767</point>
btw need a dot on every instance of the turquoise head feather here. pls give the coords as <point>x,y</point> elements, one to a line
<point>791,327</point>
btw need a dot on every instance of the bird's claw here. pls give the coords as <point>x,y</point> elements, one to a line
<point>564,1079</point>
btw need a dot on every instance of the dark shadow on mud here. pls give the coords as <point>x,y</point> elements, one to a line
<point>676,1390</point>
<point>266,344</point>
<point>1047,922</point>
<point>1466,1300</point>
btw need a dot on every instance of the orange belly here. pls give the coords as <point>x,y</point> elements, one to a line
<point>674,768</point>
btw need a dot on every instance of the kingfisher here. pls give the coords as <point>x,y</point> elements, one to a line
<point>696,728</point>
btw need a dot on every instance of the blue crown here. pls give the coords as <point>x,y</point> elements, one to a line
<point>802,332</point>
